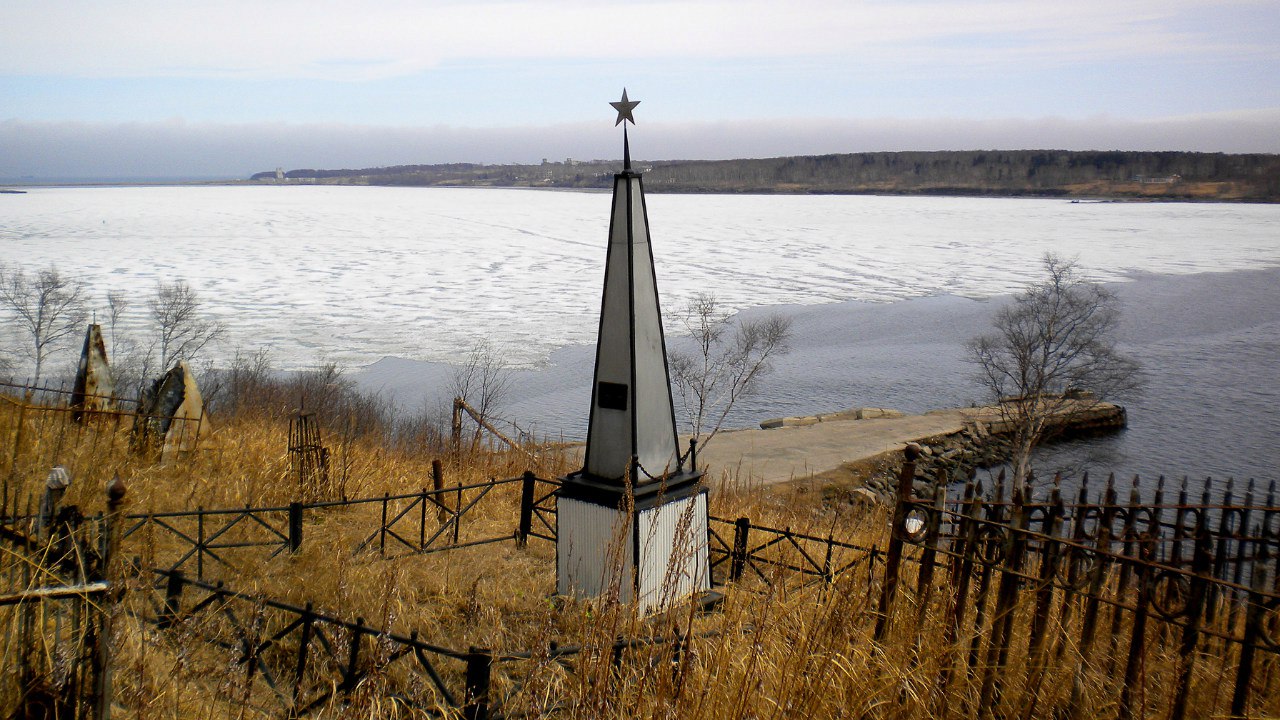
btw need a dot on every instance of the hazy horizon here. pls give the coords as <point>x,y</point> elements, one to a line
<point>132,89</point>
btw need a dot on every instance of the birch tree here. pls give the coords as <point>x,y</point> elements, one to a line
<point>727,361</point>
<point>49,308</point>
<point>1052,356</point>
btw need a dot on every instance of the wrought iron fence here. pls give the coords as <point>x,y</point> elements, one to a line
<point>1111,580</point>
<point>56,595</point>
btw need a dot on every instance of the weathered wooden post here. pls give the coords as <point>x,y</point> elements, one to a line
<point>437,484</point>
<point>455,426</point>
<point>635,516</point>
<point>111,546</point>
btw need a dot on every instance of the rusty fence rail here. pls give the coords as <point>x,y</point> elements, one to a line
<point>1096,589</point>
<point>300,658</point>
<point>1165,603</point>
<point>420,523</point>
<point>303,660</point>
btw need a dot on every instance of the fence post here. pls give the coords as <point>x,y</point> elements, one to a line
<point>200,542</point>
<point>11,480</point>
<point>476,701</point>
<point>382,530</point>
<point>455,426</point>
<point>1138,643</point>
<point>961,572</point>
<point>1201,565</point>
<point>422,520</point>
<point>678,651</point>
<point>894,557</point>
<point>353,657</point>
<point>303,646</point>
<point>1006,597</point>
<point>295,526</point>
<point>1050,528</point>
<point>991,515</point>
<point>1252,624</point>
<point>51,502</point>
<point>437,484</point>
<point>1089,620</point>
<point>526,507</point>
<point>738,555</point>
<point>457,516</point>
<point>111,546</point>
<point>172,600</point>
<point>928,558</point>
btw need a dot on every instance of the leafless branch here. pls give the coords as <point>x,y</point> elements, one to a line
<point>49,308</point>
<point>1052,355</point>
<point>182,327</point>
<point>727,362</point>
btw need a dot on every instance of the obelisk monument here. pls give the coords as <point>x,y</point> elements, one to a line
<point>633,520</point>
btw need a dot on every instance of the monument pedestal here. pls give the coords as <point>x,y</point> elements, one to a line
<point>649,548</point>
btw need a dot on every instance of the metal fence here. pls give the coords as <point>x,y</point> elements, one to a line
<point>1102,585</point>
<point>1163,604</point>
<point>57,591</point>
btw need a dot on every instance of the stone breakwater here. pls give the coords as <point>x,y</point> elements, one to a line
<point>982,443</point>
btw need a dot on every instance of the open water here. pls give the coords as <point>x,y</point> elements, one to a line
<point>396,282</point>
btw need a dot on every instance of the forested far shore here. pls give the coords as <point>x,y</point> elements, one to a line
<point>1036,173</point>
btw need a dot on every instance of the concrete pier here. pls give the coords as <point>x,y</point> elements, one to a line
<point>841,443</point>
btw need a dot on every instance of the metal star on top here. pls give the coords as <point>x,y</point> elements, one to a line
<point>624,108</point>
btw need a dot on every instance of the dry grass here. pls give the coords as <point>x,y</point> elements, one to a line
<point>774,649</point>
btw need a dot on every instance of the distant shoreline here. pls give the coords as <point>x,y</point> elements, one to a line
<point>970,173</point>
<point>1170,176</point>
<point>18,188</point>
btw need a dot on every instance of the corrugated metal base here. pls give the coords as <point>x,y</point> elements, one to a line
<point>659,556</point>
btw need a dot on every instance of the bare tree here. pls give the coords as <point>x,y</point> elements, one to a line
<point>482,381</point>
<point>117,305</point>
<point>728,360</point>
<point>1052,356</point>
<point>49,307</point>
<point>128,363</point>
<point>182,328</point>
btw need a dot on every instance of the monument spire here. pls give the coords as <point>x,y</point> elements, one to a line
<point>634,483</point>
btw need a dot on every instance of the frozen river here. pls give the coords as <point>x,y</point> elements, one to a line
<point>883,290</point>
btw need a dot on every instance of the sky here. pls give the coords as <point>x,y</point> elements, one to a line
<point>164,89</point>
